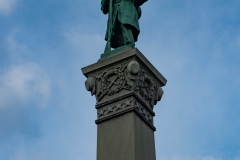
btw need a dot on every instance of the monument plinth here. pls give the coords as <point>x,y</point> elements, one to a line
<point>127,87</point>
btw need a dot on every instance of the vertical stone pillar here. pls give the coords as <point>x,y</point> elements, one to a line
<point>127,87</point>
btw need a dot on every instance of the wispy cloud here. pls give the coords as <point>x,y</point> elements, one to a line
<point>22,83</point>
<point>22,155</point>
<point>190,158</point>
<point>25,86</point>
<point>22,80</point>
<point>6,6</point>
<point>88,45</point>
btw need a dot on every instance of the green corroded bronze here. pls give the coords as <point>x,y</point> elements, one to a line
<point>123,27</point>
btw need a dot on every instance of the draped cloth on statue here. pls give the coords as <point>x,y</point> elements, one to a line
<point>125,26</point>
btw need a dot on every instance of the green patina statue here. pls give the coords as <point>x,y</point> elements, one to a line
<point>123,27</point>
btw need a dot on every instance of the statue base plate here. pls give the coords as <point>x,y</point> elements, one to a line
<point>122,48</point>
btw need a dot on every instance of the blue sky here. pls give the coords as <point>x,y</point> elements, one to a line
<point>46,113</point>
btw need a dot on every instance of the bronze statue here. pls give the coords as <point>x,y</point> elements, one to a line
<point>123,27</point>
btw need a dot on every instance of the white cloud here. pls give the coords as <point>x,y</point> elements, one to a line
<point>22,155</point>
<point>89,45</point>
<point>15,49</point>
<point>22,83</point>
<point>24,86</point>
<point>6,6</point>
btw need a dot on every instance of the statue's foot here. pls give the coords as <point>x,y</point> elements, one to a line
<point>130,42</point>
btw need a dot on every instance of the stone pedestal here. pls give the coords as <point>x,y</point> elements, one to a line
<point>127,87</point>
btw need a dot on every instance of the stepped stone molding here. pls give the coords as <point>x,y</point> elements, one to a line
<point>114,108</point>
<point>141,109</point>
<point>119,107</point>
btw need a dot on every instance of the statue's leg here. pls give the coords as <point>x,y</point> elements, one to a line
<point>127,34</point>
<point>117,39</point>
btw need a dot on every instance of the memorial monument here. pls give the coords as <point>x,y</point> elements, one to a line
<point>126,87</point>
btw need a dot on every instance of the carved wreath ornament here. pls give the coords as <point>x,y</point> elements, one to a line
<point>114,80</point>
<point>148,89</point>
<point>111,82</point>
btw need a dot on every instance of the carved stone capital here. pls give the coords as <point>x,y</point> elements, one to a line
<point>123,82</point>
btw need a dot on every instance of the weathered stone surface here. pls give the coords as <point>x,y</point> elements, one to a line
<point>126,87</point>
<point>125,137</point>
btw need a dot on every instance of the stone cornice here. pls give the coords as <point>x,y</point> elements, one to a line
<point>128,54</point>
